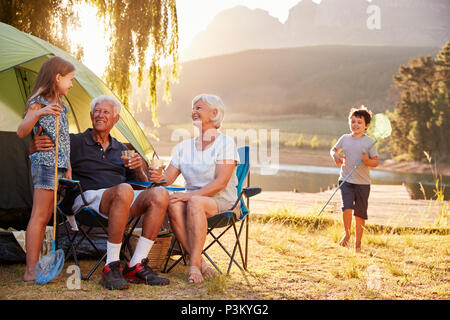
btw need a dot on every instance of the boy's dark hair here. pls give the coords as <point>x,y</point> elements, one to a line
<point>361,112</point>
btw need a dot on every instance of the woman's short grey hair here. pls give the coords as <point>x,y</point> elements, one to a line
<point>215,103</point>
<point>106,98</point>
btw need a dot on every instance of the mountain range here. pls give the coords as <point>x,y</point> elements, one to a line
<point>317,80</point>
<point>332,22</point>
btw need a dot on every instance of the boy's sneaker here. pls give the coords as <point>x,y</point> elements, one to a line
<point>112,278</point>
<point>142,273</point>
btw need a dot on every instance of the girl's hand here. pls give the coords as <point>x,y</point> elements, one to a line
<point>51,109</point>
<point>179,196</point>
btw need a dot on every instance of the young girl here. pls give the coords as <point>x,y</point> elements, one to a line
<point>44,105</point>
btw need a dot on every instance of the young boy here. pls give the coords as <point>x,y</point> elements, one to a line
<point>346,153</point>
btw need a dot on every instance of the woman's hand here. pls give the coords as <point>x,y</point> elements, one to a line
<point>169,175</point>
<point>156,175</point>
<point>179,196</point>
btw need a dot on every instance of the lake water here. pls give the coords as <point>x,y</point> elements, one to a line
<point>312,178</point>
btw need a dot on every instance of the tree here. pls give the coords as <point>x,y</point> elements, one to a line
<point>135,28</point>
<point>420,121</point>
<point>46,19</point>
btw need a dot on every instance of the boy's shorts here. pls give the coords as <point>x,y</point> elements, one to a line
<point>356,197</point>
<point>44,176</point>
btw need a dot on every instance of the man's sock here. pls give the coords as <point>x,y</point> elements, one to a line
<point>142,249</point>
<point>112,251</point>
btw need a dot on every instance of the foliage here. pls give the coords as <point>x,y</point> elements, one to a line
<point>439,194</point>
<point>333,143</point>
<point>314,142</point>
<point>136,29</point>
<point>49,20</point>
<point>130,23</point>
<point>421,120</point>
<point>300,141</point>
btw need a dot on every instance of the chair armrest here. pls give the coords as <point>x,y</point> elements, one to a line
<point>248,192</point>
<point>252,191</point>
<point>170,188</point>
<point>145,184</point>
<point>73,185</point>
<point>70,183</point>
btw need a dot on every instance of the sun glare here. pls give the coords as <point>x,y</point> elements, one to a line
<point>193,17</point>
<point>92,37</point>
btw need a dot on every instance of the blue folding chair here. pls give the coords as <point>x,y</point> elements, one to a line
<point>228,220</point>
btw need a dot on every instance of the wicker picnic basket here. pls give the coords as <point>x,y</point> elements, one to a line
<point>158,253</point>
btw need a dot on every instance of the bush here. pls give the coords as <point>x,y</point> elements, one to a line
<point>314,142</point>
<point>333,142</point>
<point>300,141</point>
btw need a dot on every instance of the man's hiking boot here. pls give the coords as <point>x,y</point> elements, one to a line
<point>142,273</point>
<point>112,278</point>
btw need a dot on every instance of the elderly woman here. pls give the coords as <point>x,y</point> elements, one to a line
<point>208,165</point>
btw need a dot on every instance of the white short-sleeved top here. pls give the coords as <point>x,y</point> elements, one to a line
<point>199,167</point>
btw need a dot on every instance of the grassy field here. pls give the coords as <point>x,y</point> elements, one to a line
<point>290,258</point>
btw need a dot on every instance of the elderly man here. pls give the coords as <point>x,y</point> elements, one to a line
<point>96,162</point>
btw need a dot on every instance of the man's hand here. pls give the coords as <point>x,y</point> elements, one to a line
<point>136,162</point>
<point>41,143</point>
<point>138,165</point>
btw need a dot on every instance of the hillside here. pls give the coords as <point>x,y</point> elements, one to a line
<point>318,80</point>
<point>349,22</point>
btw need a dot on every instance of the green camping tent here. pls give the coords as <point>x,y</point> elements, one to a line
<point>21,56</point>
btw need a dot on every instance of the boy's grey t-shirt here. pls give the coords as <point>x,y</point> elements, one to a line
<point>353,148</point>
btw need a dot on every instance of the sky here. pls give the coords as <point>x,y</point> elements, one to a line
<point>193,17</point>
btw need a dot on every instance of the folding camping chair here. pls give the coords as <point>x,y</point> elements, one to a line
<point>91,220</point>
<point>228,221</point>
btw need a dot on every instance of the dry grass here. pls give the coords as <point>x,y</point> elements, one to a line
<point>287,260</point>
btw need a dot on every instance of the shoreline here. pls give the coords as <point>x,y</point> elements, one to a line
<point>322,158</point>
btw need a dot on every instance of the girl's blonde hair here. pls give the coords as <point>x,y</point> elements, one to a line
<point>45,84</point>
